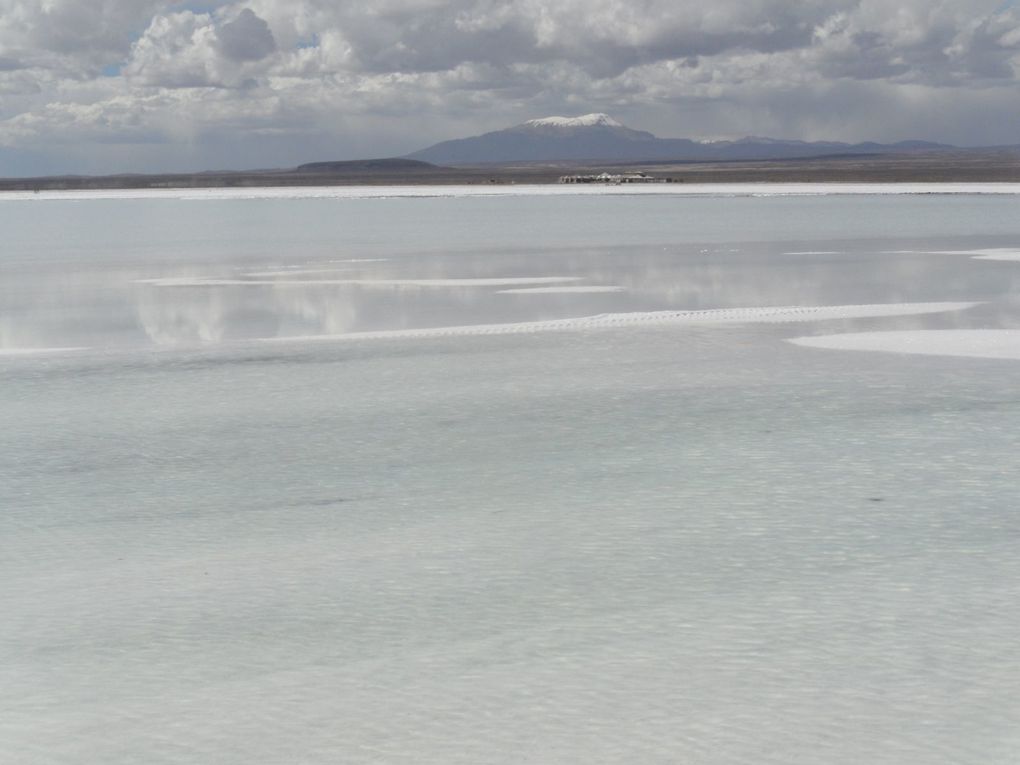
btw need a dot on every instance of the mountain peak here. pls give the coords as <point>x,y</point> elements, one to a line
<point>598,137</point>
<point>586,120</point>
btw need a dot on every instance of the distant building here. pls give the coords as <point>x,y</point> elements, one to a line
<point>615,179</point>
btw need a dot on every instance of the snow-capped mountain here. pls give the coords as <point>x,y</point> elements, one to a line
<point>586,120</point>
<point>598,137</point>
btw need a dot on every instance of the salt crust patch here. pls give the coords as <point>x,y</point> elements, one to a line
<point>187,281</point>
<point>994,253</point>
<point>288,271</point>
<point>39,351</point>
<point>1013,256</point>
<point>972,343</point>
<point>651,318</point>
<point>580,288</point>
<point>1000,253</point>
<point>386,192</point>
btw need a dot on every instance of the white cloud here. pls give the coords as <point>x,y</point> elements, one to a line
<point>192,50</point>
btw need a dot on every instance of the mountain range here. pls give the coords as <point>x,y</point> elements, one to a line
<point>598,137</point>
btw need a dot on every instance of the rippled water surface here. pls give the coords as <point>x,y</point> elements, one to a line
<point>352,480</point>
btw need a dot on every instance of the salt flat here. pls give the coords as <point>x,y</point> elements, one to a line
<point>559,526</point>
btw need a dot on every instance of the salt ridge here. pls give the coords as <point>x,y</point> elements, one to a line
<point>578,289</point>
<point>189,281</point>
<point>769,315</point>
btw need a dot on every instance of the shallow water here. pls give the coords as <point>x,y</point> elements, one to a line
<point>646,541</point>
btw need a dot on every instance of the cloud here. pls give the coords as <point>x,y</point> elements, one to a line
<point>246,38</point>
<point>194,50</point>
<point>267,82</point>
<point>77,37</point>
<point>178,50</point>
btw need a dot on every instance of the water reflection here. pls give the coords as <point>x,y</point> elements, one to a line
<point>207,304</point>
<point>173,284</point>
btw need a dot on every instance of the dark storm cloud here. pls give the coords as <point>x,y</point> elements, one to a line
<point>246,38</point>
<point>992,49</point>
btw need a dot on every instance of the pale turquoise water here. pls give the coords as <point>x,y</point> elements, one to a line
<point>648,544</point>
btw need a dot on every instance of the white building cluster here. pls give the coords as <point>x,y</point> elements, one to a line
<point>615,179</point>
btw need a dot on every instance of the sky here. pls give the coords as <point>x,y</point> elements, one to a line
<point>103,86</point>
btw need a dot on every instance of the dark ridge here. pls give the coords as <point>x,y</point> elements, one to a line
<point>396,164</point>
<point>961,165</point>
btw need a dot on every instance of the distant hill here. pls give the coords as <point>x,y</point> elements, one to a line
<point>598,137</point>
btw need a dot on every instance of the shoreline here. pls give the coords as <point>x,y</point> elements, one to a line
<point>422,191</point>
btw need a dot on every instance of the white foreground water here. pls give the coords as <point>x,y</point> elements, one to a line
<point>543,477</point>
